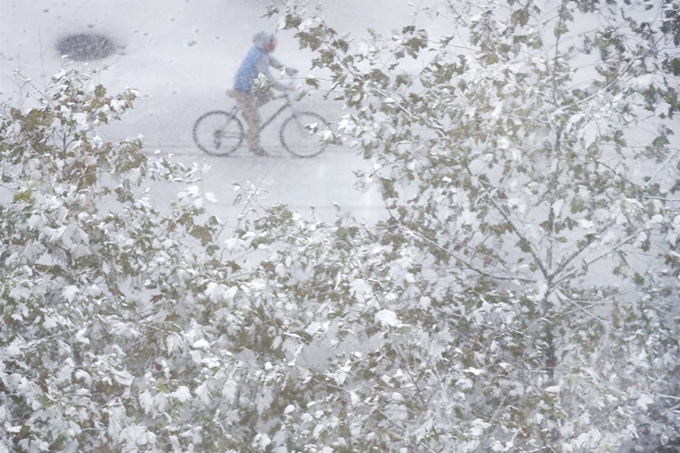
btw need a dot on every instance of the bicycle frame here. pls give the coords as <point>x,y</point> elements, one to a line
<point>209,135</point>
<point>288,105</point>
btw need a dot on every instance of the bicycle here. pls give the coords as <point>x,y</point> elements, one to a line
<point>303,134</point>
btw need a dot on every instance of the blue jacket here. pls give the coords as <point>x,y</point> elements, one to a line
<point>257,62</point>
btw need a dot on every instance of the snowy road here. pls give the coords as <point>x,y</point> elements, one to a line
<point>181,55</point>
<point>302,184</point>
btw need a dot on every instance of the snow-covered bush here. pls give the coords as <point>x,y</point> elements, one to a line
<point>92,275</point>
<point>122,325</point>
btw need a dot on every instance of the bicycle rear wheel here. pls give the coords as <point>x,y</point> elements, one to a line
<point>218,133</point>
<point>305,134</point>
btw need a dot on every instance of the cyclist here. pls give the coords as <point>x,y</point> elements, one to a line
<point>248,94</point>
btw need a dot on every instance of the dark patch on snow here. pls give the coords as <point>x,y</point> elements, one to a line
<point>86,46</point>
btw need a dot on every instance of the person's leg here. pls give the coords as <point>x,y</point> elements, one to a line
<point>253,118</point>
<point>249,105</point>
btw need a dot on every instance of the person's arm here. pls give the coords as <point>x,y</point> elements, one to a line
<point>263,68</point>
<point>278,65</point>
<point>274,63</point>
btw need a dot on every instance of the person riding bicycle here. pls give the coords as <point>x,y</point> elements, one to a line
<point>248,94</point>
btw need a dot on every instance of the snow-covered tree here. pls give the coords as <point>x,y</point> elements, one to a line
<point>523,293</point>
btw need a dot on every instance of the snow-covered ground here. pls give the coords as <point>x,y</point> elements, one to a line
<point>181,56</point>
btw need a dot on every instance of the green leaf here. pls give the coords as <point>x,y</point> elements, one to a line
<point>313,82</point>
<point>520,17</point>
<point>26,196</point>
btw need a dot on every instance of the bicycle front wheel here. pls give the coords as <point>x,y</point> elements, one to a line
<point>305,134</point>
<point>218,133</point>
